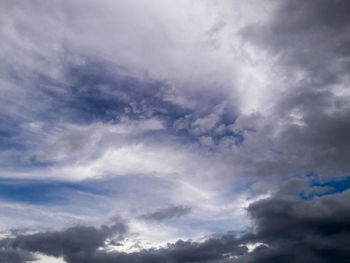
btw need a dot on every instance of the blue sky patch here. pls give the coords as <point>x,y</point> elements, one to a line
<point>46,193</point>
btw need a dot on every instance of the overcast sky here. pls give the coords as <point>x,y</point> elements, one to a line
<point>174,131</point>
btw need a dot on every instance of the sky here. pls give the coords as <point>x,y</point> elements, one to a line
<point>181,131</point>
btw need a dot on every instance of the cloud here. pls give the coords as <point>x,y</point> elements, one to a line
<point>15,256</point>
<point>303,128</point>
<point>131,107</point>
<point>72,241</point>
<point>296,230</point>
<point>167,213</point>
<point>79,244</point>
<point>319,234</point>
<point>313,37</point>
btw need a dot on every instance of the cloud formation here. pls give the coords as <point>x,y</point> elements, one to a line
<point>218,130</point>
<point>307,121</point>
<point>286,229</point>
<point>170,212</point>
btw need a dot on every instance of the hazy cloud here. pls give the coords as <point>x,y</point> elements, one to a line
<point>167,213</point>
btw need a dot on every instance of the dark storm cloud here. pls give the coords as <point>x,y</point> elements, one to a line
<point>79,239</point>
<point>287,228</point>
<point>170,212</point>
<point>320,143</point>
<point>79,244</point>
<point>10,255</point>
<point>297,230</point>
<point>216,249</point>
<point>323,143</point>
<point>308,34</point>
<point>309,123</point>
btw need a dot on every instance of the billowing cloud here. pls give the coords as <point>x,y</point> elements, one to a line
<point>305,126</point>
<point>320,234</point>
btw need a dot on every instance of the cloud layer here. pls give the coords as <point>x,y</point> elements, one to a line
<point>218,131</point>
<point>287,230</point>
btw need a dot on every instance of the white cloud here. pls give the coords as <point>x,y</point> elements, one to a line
<point>40,258</point>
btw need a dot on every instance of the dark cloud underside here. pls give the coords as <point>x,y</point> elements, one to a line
<point>288,229</point>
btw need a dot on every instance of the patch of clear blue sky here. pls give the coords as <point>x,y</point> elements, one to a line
<point>336,185</point>
<point>39,192</point>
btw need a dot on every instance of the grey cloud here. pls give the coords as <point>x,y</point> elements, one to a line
<point>309,34</point>
<point>74,240</point>
<point>288,230</point>
<point>319,190</point>
<point>307,126</point>
<point>302,186</point>
<point>215,249</point>
<point>320,143</point>
<point>293,187</point>
<point>10,255</point>
<point>167,213</point>
<point>296,230</point>
<point>62,76</point>
<point>86,88</point>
